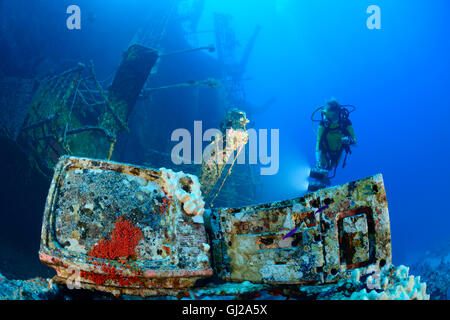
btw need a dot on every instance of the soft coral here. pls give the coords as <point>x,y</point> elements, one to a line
<point>120,246</point>
<point>122,243</point>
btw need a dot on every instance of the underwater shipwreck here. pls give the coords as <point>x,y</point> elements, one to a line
<point>115,229</point>
<point>132,230</point>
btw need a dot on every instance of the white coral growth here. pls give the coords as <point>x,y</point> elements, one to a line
<point>391,283</point>
<point>192,201</point>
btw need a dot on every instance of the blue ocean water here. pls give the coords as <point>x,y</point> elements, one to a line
<point>307,52</point>
<point>397,77</point>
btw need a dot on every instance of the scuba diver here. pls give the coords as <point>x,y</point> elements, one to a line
<point>335,135</point>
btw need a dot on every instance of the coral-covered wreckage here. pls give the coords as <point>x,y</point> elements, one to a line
<point>131,230</point>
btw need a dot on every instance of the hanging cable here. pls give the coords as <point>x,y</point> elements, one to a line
<point>227,175</point>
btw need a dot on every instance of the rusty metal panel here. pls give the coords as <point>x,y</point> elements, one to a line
<point>317,238</point>
<point>355,239</point>
<point>124,229</point>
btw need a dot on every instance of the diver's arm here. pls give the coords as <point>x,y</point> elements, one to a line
<point>319,137</point>
<point>352,134</point>
<point>318,151</point>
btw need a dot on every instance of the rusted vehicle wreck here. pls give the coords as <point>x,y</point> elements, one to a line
<point>133,230</point>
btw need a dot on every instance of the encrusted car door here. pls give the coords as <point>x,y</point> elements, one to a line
<point>355,227</point>
<point>317,238</point>
<point>253,245</point>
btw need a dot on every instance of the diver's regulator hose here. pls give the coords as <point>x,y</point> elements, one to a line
<point>345,106</point>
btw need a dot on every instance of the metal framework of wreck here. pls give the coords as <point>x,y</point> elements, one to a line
<point>233,68</point>
<point>72,114</point>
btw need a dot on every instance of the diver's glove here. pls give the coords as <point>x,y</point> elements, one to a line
<point>347,140</point>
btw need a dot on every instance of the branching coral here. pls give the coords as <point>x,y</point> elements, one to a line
<point>122,243</point>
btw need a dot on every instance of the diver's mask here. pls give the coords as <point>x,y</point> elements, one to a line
<point>331,114</point>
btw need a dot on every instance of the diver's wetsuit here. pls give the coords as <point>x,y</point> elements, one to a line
<point>329,142</point>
